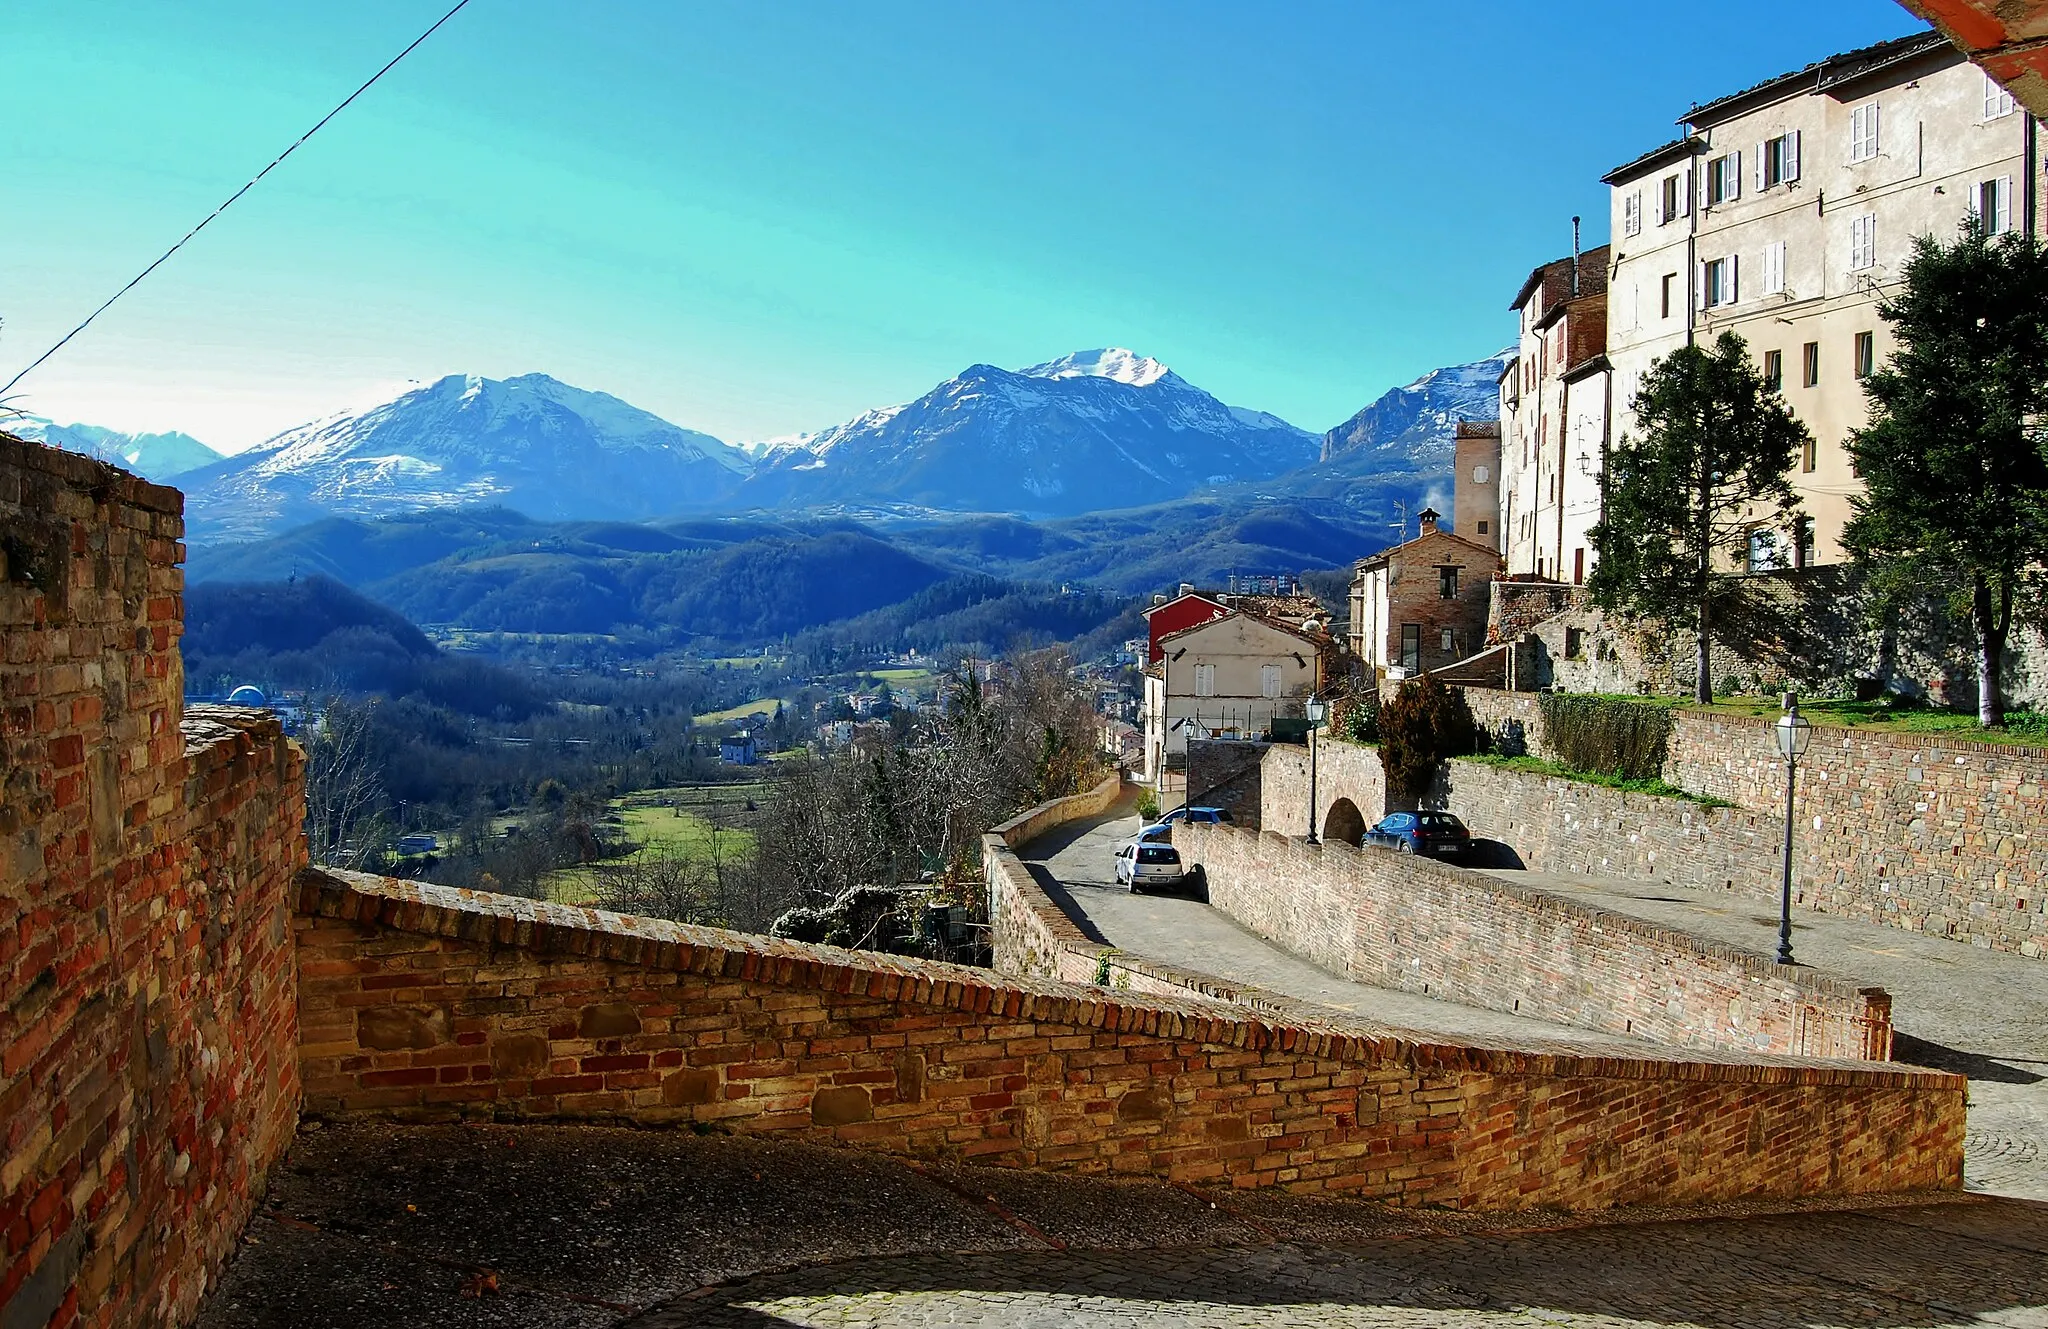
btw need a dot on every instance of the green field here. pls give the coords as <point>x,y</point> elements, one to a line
<point>683,822</point>
<point>739,712</point>
<point>896,678</point>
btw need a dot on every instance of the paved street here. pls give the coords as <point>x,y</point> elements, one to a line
<point>375,1224</point>
<point>1078,870</point>
<point>1978,1012</point>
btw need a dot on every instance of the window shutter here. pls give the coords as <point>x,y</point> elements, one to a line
<point>1735,174</point>
<point>1659,211</point>
<point>2001,204</point>
<point>1733,291</point>
<point>1761,183</point>
<point>1792,156</point>
<point>1699,286</point>
<point>1685,193</point>
<point>1870,130</point>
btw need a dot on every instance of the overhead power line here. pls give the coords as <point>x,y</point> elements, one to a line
<point>231,199</point>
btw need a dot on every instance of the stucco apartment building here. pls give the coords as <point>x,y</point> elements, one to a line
<point>1554,411</point>
<point>1422,604</point>
<point>1227,677</point>
<point>1786,212</point>
<point>1475,459</point>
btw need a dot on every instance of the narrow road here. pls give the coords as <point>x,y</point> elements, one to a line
<point>1076,865</point>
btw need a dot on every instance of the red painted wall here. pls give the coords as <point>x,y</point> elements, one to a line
<point>1175,615</point>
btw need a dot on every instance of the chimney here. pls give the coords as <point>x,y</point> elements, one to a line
<point>1428,518</point>
<point>1575,258</point>
<point>1159,597</point>
<point>1187,588</point>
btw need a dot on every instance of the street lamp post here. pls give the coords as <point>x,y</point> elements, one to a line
<point>1315,710</point>
<point>1792,733</point>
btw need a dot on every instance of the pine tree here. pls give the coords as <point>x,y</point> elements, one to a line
<point>1954,458</point>
<point>1707,465</point>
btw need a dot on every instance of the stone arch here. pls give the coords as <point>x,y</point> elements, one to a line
<point>1344,822</point>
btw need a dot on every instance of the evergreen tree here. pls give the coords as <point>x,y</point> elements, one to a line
<point>1954,458</point>
<point>1707,465</point>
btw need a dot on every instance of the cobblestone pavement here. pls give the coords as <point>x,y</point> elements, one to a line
<point>376,1224</point>
<point>1076,865</point>
<point>1961,1008</point>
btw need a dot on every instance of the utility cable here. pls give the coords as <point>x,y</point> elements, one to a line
<point>278,160</point>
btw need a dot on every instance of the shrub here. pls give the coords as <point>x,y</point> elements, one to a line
<point>1511,739</point>
<point>1148,804</point>
<point>1421,725</point>
<point>1358,715</point>
<point>1606,735</point>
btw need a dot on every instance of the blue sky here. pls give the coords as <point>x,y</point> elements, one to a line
<point>755,219</point>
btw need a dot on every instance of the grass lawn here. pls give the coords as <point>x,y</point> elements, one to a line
<point>1875,716</point>
<point>647,819</point>
<point>739,712</point>
<point>898,677</point>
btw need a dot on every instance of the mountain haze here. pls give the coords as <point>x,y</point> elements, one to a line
<point>156,457</point>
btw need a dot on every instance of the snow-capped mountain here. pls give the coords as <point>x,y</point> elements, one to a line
<point>1412,426</point>
<point>152,456</point>
<point>1095,429</point>
<point>532,443</point>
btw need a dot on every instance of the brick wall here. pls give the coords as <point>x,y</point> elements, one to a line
<point>1413,924</point>
<point>147,1071</point>
<point>1224,773</point>
<point>1344,773</point>
<point>1930,834</point>
<point>426,1002</point>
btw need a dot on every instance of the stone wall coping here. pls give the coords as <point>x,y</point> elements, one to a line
<point>541,927</point>
<point>83,472</point>
<point>217,732</point>
<point>1756,964</point>
<point>1904,742</point>
<point>1057,810</point>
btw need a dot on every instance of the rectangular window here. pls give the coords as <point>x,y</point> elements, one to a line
<point>1448,642</point>
<point>1269,680</point>
<point>1862,242</point>
<point>1810,371</point>
<point>1866,354</point>
<point>1997,101</point>
<point>1632,214</point>
<point>1863,140</point>
<point>1670,280</point>
<point>1764,555</point>
<point>1411,646</point>
<point>1482,527</point>
<point>1807,460</point>
<point>1674,197</point>
<point>1777,161</point>
<point>1802,542</point>
<point>1774,268</point>
<point>1446,583</point>
<point>1205,680</point>
<point>1774,370</point>
<point>1574,643</point>
<point>1578,567</point>
<point>1724,178</point>
<point>1717,282</point>
<point>1993,206</point>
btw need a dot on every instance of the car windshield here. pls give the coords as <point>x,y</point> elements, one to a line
<point>1441,821</point>
<point>1153,853</point>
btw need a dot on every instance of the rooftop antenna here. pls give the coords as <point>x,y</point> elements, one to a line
<point>1400,527</point>
<point>1575,258</point>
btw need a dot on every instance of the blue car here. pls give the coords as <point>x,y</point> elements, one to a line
<point>1437,834</point>
<point>1195,814</point>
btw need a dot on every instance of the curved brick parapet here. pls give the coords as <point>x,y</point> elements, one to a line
<point>425,1001</point>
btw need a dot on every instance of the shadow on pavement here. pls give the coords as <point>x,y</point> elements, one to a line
<point>1919,1052</point>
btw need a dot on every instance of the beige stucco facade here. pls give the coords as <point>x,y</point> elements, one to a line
<point>1553,410</point>
<point>1786,214</point>
<point>1226,678</point>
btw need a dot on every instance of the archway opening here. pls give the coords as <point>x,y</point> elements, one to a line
<point>1344,822</point>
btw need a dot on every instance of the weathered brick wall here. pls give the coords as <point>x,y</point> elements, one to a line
<point>1917,831</point>
<point>1224,773</point>
<point>147,1029</point>
<point>1345,771</point>
<point>1398,921</point>
<point>426,1002</point>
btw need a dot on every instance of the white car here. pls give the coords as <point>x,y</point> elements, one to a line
<point>1141,863</point>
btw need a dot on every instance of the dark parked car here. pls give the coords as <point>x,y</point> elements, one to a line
<point>1438,834</point>
<point>1195,814</point>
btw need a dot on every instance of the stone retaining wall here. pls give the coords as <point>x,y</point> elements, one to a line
<point>425,1002</point>
<point>148,1076</point>
<point>1934,835</point>
<point>1399,921</point>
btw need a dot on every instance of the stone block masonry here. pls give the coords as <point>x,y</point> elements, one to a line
<point>1931,834</point>
<point>425,1002</point>
<point>1399,921</point>
<point>148,1065</point>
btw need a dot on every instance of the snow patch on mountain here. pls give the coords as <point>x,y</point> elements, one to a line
<point>152,456</point>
